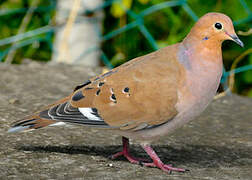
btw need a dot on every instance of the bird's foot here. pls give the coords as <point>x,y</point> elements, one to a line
<point>158,163</point>
<point>127,155</point>
<point>165,167</point>
<point>156,160</point>
<point>143,162</point>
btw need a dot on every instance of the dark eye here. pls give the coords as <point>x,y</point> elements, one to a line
<point>218,26</point>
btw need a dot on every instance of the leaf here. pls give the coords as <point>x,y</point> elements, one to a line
<point>118,8</point>
<point>118,59</point>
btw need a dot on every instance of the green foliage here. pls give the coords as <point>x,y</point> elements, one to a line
<point>10,23</point>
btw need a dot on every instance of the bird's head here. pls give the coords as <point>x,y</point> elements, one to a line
<point>215,28</point>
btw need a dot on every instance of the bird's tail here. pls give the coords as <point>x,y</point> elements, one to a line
<point>37,120</point>
<point>31,123</point>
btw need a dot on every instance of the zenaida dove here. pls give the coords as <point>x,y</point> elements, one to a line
<point>149,96</point>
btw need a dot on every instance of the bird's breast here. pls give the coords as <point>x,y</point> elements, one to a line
<point>200,85</point>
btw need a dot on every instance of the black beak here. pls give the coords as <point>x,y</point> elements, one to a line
<point>237,40</point>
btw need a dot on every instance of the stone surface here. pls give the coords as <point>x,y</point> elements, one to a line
<point>217,145</point>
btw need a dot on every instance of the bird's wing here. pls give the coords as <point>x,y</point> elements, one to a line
<point>139,94</point>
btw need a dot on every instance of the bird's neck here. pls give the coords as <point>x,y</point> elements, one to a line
<point>207,50</point>
<point>202,67</point>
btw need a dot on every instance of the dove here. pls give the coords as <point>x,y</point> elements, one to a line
<point>150,96</point>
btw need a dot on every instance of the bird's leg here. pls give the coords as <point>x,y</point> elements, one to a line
<point>158,163</point>
<point>126,154</point>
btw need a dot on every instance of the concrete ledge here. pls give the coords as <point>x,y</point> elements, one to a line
<point>217,145</point>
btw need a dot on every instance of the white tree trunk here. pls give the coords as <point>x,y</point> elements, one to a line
<point>77,41</point>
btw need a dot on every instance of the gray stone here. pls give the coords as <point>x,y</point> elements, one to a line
<point>217,145</point>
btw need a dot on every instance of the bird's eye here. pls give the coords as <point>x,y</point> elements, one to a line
<point>218,26</point>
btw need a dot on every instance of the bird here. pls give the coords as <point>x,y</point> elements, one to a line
<point>149,96</point>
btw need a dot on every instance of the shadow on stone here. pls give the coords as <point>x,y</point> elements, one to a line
<point>197,155</point>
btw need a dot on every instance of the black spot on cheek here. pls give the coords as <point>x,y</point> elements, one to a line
<point>78,96</point>
<point>205,38</point>
<point>98,92</point>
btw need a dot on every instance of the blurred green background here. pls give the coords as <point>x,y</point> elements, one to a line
<point>12,13</point>
<point>166,26</point>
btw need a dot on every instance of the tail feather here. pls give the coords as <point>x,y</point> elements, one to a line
<point>31,123</point>
<point>60,113</point>
<point>38,120</point>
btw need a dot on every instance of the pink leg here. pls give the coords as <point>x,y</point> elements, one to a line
<point>126,154</point>
<point>158,163</point>
<point>156,160</point>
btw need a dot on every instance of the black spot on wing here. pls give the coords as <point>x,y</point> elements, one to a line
<point>82,85</point>
<point>98,92</point>
<point>78,96</point>
<point>95,112</point>
<point>113,98</point>
<point>101,84</point>
<point>126,90</point>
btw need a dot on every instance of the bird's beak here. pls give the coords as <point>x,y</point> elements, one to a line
<point>235,38</point>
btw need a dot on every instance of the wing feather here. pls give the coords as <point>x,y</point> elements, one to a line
<point>132,98</point>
